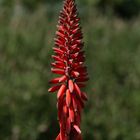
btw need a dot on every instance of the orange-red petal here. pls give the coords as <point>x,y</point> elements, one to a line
<point>61,91</point>
<point>54,88</point>
<point>71,86</point>
<point>77,89</point>
<point>68,97</point>
<point>63,78</point>
<point>77,129</point>
<point>71,114</point>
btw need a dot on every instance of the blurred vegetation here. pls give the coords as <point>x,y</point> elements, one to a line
<point>123,8</point>
<point>112,45</point>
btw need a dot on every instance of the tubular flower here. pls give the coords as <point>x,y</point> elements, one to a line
<point>69,64</point>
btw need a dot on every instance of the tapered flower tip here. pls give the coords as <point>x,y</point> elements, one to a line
<point>54,88</point>
<point>54,81</point>
<point>58,71</point>
<point>77,129</point>
<point>63,78</point>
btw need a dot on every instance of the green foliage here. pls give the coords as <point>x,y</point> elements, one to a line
<point>112,114</point>
<point>127,8</point>
<point>28,111</point>
<point>6,3</point>
<point>32,4</point>
<point>123,8</point>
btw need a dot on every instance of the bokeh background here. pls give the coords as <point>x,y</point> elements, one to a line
<point>112,43</point>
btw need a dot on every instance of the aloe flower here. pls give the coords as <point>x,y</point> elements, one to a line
<point>69,64</point>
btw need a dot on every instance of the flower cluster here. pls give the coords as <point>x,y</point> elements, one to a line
<point>69,64</point>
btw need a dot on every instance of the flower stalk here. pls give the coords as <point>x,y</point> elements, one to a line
<point>69,64</point>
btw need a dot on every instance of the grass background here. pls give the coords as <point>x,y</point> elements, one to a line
<point>112,45</point>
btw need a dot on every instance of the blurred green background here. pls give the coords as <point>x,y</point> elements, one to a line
<point>112,43</point>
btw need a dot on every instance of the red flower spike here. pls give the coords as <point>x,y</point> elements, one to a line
<point>69,63</point>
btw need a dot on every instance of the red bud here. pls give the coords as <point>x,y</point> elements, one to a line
<point>61,91</point>
<point>68,97</point>
<point>71,86</point>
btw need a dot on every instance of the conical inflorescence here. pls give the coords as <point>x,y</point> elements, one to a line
<point>69,64</point>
